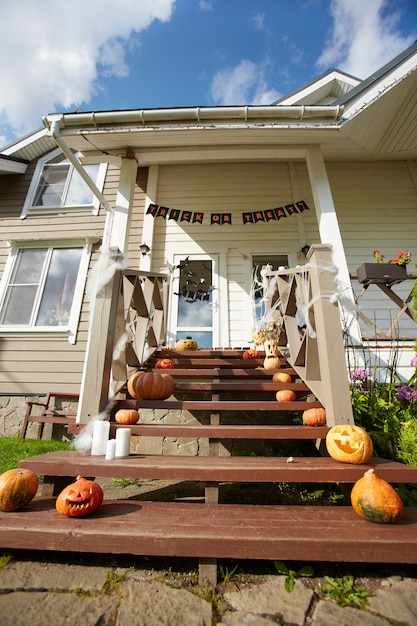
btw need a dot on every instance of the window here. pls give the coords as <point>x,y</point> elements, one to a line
<point>57,186</point>
<point>43,289</point>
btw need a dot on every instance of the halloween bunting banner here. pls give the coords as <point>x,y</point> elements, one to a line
<point>220,219</point>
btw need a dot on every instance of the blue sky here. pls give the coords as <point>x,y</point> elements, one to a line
<point>104,55</point>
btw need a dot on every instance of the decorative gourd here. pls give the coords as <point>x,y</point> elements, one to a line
<point>376,500</point>
<point>285,395</point>
<point>80,498</point>
<point>17,488</point>
<point>314,417</point>
<point>281,377</point>
<point>131,384</point>
<point>272,354</point>
<point>154,386</point>
<point>186,344</point>
<point>250,354</point>
<point>348,443</point>
<point>164,364</point>
<point>126,416</point>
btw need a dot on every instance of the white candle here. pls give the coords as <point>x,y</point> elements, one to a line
<point>123,442</point>
<point>111,450</point>
<point>101,432</point>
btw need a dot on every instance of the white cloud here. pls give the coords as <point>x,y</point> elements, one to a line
<point>52,57</point>
<point>259,20</point>
<point>240,85</point>
<point>364,36</point>
<point>205,5</point>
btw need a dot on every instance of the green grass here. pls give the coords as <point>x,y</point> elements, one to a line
<point>13,450</point>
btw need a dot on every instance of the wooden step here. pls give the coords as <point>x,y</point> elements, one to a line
<point>219,405</point>
<point>248,469</point>
<point>191,430</point>
<point>175,529</point>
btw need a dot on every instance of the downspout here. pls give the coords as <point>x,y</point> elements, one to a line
<point>54,131</point>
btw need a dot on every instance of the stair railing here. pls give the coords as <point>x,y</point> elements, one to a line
<point>312,330</point>
<point>127,324</point>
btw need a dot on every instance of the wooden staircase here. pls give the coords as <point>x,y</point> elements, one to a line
<point>220,398</point>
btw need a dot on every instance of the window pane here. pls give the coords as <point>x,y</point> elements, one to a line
<point>23,287</point>
<point>195,294</point>
<point>59,289</point>
<point>51,185</point>
<point>78,192</point>
<point>19,305</point>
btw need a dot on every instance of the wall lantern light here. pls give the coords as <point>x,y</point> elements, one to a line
<point>305,249</point>
<point>144,249</point>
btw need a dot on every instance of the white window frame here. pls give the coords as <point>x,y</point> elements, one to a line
<point>30,209</point>
<point>70,330</point>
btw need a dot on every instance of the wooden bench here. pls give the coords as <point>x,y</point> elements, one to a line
<point>50,412</point>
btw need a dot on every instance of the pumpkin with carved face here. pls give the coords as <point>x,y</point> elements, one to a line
<point>80,498</point>
<point>348,443</point>
<point>186,344</point>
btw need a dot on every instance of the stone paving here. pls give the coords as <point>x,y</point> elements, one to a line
<point>34,593</point>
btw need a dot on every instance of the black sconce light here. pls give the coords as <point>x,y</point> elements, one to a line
<point>305,249</point>
<point>144,249</point>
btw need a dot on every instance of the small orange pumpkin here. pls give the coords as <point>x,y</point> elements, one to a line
<point>250,354</point>
<point>314,417</point>
<point>281,377</point>
<point>164,364</point>
<point>348,443</point>
<point>376,500</point>
<point>131,384</point>
<point>80,498</point>
<point>17,488</point>
<point>285,395</point>
<point>126,416</point>
<point>154,386</point>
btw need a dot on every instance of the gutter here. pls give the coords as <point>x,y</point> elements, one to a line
<point>54,131</point>
<point>142,117</point>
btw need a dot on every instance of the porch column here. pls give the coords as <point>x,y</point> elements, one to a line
<point>148,220</point>
<point>119,235</point>
<point>329,227</point>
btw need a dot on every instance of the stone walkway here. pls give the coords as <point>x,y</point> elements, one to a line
<point>34,593</point>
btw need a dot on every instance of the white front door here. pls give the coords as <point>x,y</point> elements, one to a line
<point>194,300</point>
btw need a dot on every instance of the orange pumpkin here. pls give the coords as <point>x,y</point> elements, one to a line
<point>285,395</point>
<point>348,443</point>
<point>314,417</point>
<point>126,416</point>
<point>164,364</point>
<point>154,386</point>
<point>281,377</point>
<point>80,498</point>
<point>17,488</point>
<point>131,384</point>
<point>250,354</point>
<point>376,500</point>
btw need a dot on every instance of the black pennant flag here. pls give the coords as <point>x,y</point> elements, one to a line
<point>226,218</point>
<point>162,212</point>
<point>258,216</point>
<point>198,217</point>
<point>279,212</point>
<point>186,216</point>
<point>174,214</point>
<point>302,206</point>
<point>247,218</point>
<point>291,209</point>
<point>215,218</point>
<point>270,215</point>
<point>152,209</point>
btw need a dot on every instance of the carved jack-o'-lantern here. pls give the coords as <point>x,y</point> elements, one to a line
<point>272,354</point>
<point>348,443</point>
<point>80,498</point>
<point>186,344</point>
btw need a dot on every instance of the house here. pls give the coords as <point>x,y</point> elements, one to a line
<point>207,196</point>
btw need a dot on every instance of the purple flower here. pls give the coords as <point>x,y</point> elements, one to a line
<point>359,375</point>
<point>407,393</point>
<point>413,361</point>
